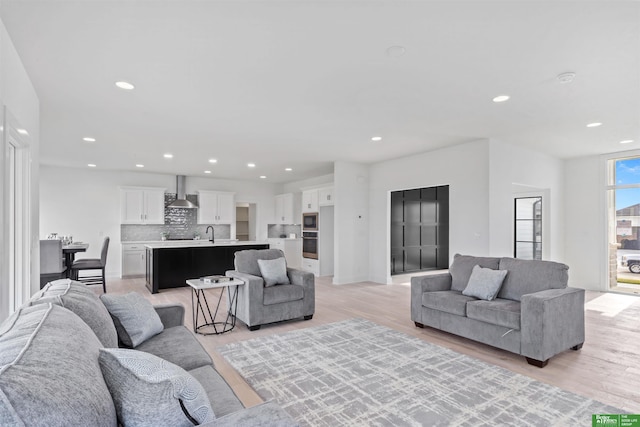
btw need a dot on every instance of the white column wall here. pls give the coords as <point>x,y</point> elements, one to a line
<point>465,168</point>
<point>585,228</point>
<point>351,223</point>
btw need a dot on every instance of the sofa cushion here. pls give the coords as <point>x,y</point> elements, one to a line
<point>273,271</point>
<point>448,301</point>
<point>179,346</point>
<point>484,283</point>
<point>501,312</point>
<point>529,276</point>
<point>49,371</point>
<point>247,261</point>
<point>149,391</point>
<point>222,398</point>
<point>282,293</point>
<point>462,267</point>
<point>135,318</point>
<point>76,297</point>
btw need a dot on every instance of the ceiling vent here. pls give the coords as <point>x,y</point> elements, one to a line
<point>181,196</point>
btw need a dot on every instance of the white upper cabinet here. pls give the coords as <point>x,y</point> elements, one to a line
<point>141,205</point>
<point>325,196</point>
<point>284,209</point>
<point>310,201</point>
<point>215,207</point>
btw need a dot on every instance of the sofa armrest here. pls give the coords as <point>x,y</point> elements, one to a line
<point>263,415</point>
<point>308,282</point>
<point>250,296</point>
<point>301,278</point>
<point>170,314</point>
<point>422,284</point>
<point>551,322</point>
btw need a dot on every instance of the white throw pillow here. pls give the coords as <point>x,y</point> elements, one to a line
<point>150,391</point>
<point>484,283</point>
<point>134,317</point>
<point>274,271</point>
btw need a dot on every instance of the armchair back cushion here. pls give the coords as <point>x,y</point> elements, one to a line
<point>462,267</point>
<point>247,261</point>
<point>528,276</point>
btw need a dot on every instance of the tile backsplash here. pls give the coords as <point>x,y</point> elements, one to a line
<point>179,223</point>
<point>277,230</point>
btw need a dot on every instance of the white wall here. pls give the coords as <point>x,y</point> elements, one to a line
<point>19,95</point>
<point>85,203</point>
<point>351,223</point>
<point>465,168</point>
<point>509,167</point>
<point>585,228</point>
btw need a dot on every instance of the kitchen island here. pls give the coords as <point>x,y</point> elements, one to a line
<point>171,263</point>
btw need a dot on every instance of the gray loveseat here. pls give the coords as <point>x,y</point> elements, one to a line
<point>50,374</point>
<point>535,314</point>
<point>259,304</point>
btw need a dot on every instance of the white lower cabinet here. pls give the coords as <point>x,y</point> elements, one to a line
<point>311,265</point>
<point>292,249</point>
<point>133,259</point>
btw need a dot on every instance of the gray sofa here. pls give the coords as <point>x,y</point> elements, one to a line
<point>535,314</point>
<point>259,304</point>
<point>50,373</point>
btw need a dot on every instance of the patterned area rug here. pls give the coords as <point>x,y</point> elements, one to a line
<point>358,373</point>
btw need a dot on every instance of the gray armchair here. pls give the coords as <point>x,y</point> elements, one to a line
<point>257,304</point>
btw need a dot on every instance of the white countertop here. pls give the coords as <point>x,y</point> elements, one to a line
<point>198,243</point>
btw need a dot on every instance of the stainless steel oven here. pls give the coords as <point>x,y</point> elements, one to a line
<point>310,221</point>
<point>310,244</point>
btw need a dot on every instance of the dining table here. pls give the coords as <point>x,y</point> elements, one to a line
<point>69,251</point>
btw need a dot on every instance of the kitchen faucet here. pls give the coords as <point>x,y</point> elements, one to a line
<point>212,239</point>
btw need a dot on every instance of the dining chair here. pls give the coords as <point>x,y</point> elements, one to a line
<point>92,264</point>
<point>51,265</point>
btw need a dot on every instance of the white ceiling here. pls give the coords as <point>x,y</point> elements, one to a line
<point>302,84</point>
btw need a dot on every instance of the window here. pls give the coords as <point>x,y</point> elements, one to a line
<point>623,198</point>
<point>528,228</point>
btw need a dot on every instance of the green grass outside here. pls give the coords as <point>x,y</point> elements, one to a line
<point>629,281</point>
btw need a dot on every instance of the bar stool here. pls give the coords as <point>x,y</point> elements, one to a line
<point>92,264</point>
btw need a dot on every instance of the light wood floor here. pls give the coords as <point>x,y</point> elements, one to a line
<point>606,369</point>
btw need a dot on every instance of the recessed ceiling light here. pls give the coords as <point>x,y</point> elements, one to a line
<point>288,169</point>
<point>396,51</point>
<point>501,98</point>
<point>376,138</point>
<point>626,141</point>
<point>263,177</point>
<point>213,160</point>
<point>251,165</point>
<point>125,85</point>
<point>22,131</point>
<point>139,165</point>
<point>88,139</point>
<point>168,156</point>
<point>566,77</point>
<point>91,165</point>
<point>207,171</point>
<point>594,125</point>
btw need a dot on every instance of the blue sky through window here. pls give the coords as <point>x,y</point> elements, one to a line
<point>627,172</point>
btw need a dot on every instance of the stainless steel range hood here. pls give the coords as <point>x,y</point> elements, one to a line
<point>181,196</point>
